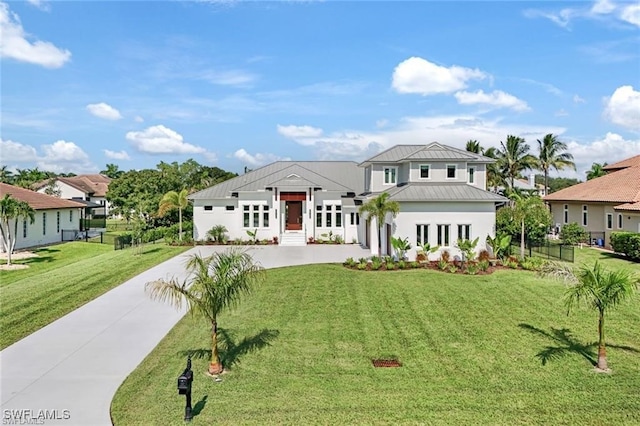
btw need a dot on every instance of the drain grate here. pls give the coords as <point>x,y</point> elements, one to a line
<point>380,363</point>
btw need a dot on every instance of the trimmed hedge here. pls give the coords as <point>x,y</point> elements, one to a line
<point>627,243</point>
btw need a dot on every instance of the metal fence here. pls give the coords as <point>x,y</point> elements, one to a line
<point>122,242</point>
<point>547,250</point>
<point>95,223</point>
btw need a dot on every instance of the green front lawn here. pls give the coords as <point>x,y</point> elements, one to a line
<point>64,277</point>
<point>610,260</point>
<point>492,349</point>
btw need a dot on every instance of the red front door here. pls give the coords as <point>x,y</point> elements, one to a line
<point>294,215</point>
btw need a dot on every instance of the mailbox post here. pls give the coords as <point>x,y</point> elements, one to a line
<point>184,388</point>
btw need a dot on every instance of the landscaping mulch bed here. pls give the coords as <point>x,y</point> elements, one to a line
<point>432,265</point>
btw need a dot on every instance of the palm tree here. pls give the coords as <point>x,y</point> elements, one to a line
<point>513,158</point>
<point>494,178</point>
<point>112,171</point>
<point>174,200</point>
<point>6,176</point>
<point>552,156</point>
<point>474,146</point>
<point>13,210</point>
<point>598,288</point>
<point>597,170</point>
<point>378,208</point>
<point>215,283</point>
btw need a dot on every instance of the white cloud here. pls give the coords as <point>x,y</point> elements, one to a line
<point>106,111</point>
<point>417,75</point>
<point>603,7</point>
<point>631,14</point>
<point>117,155</point>
<point>63,156</point>
<point>258,159</point>
<point>497,98</point>
<point>578,100</point>
<point>17,152</point>
<point>162,140</point>
<point>15,44</point>
<point>138,119</point>
<point>40,4</point>
<point>293,131</point>
<point>610,149</point>
<point>623,107</point>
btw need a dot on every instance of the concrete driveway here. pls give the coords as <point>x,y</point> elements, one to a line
<point>73,367</point>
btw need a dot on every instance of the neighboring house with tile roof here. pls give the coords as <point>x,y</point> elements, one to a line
<point>90,187</point>
<point>602,205</point>
<point>53,215</point>
<point>441,191</point>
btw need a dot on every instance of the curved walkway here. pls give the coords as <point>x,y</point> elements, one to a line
<point>78,362</point>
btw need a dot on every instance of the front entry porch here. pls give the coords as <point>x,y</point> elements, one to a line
<point>293,230</point>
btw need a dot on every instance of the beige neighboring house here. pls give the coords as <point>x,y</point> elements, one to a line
<point>602,205</point>
<point>92,188</point>
<point>53,215</point>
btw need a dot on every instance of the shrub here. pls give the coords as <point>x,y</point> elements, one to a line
<point>532,263</point>
<point>390,265</point>
<point>572,234</point>
<point>362,260</point>
<point>445,255</point>
<point>376,263</point>
<point>421,257</point>
<point>362,266</point>
<point>472,268</point>
<point>453,269</point>
<point>218,233</point>
<point>414,265</point>
<point>339,239</point>
<point>350,262</point>
<point>443,264</point>
<point>402,264</point>
<point>627,243</point>
<point>483,256</point>
<point>510,262</point>
<point>483,265</point>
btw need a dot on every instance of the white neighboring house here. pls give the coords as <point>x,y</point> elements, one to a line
<point>441,191</point>
<point>53,215</point>
<point>92,188</point>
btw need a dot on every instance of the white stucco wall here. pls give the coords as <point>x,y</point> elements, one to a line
<point>37,235</point>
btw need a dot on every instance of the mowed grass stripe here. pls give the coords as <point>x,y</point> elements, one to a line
<point>35,300</point>
<point>465,358</point>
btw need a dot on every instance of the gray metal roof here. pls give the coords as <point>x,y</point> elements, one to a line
<point>341,176</point>
<point>432,151</point>
<point>442,192</point>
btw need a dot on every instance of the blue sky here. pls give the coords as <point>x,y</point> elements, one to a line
<point>237,84</point>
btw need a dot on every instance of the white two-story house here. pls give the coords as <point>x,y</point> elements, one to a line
<point>92,188</point>
<point>441,191</point>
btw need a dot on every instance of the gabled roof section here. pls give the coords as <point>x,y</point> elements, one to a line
<point>632,207</point>
<point>36,200</point>
<point>431,152</point>
<point>341,176</point>
<point>622,186</point>
<point>94,184</point>
<point>443,192</point>
<point>629,162</point>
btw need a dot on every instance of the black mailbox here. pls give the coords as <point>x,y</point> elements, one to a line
<point>184,383</point>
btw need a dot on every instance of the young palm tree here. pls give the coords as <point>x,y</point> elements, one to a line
<point>379,207</point>
<point>513,158</point>
<point>599,289</point>
<point>174,200</point>
<point>552,156</point>
<point>596,171</point>
<point>215,283</point>
<point>494,178</point>
<point>13,210</point>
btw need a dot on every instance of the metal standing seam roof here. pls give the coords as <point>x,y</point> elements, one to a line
<point>443,192</point>
<point>432,151</point>
<point>343,176</point>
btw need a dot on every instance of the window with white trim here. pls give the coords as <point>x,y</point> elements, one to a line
<point>609,221</point>
<point>619,221</point>
<point>328,216</point>
<point>208,208</point>
<point>585,215</point>
<point>58,222</point>
<point>245,216</point>
<point>422,234</point>
<point>472,173</point>
<point>355,218</point>
<point>425,170</point>
<point>265,216</point>
<point>70,215</point>
<point>464,232</point>
<point>44,223</point>
<point>390,175</point>
<point>443,235</point>
<point>566,213</point>
<point>451,171</point>
<point>24,229</point>
<point>319,216</point>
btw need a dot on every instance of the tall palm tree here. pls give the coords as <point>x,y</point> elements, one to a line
<point>599,289</point>
<point>6,176</point>
<point>215,283</point>
<point>174,200</point>
<point>514,158</point>
<point>552,155</point>
<point>379,208</point>
<point>494,178</point>
<point>13,210</point>
<point>596,171</point>
<point>474,146</point>
<point>112,171</point>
